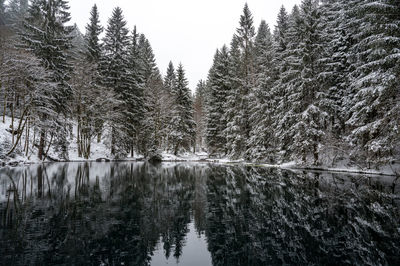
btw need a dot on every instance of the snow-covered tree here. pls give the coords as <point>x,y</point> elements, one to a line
<point>183,126</point>
<point>170,78</point>
<point>375,112</point>
<point>218,83</point>
<point>92,36</point>
<point>200,114</point>
<point>242,79</point>
<point>235,140</point>
<point>47,36</point>
<point>115,73</point>
<point>261,97</point>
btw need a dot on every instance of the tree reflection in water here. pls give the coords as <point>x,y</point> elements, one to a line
<point>113,213</point>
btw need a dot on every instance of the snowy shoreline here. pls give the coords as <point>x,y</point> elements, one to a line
<point>285,166</point>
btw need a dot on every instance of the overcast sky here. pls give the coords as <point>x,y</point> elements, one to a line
<point>187,31</point>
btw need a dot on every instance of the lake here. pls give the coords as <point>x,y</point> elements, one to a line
<point>195,214</point>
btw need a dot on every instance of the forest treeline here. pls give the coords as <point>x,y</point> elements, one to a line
<point>321,87</point>
<point>54,77</point>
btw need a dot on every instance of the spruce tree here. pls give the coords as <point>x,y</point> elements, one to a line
<point>169,98</point>
<point>92,37</point>
<point>218,83</point>
<point>115,72</point>
<point>261,97</point>
<point>183,126</point>
<point>149,75</point>
<point>47,36</point>
<point>170,78</point>
<point>245,37</point>
<point>235,141</point>
<point>93,53</point>
<point>200,114</point>
<point>242,75</point>
<point>374,116</point>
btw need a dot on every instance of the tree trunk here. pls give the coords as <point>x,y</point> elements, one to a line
<point>20,132</point>
<point>113,141</point>
<point>12,122</point>
<point>315,154</point>
<point>5,105</point>
<point>27,137</point>
<point>40,181</point>
<point>41,144</point>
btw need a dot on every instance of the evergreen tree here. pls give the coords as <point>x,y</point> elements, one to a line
<point>200,114</point>
<point>280,32</point>
<point>233,113</point>
<point>218,83</point>
<point>148,58</point>
<point>149,75</point>
<point>336,66</point>
<point>242,75</point>
<point>115,72</point>
<point>245,37</point>
<point>92,37</point>
<point>170,78</point>
<point>374,116</point>
<point>47,36</point>
<point>183,126</point>
<point>93,53</point>
<point>169,98</point>
<point>261,97</point>
<point>153,125</point>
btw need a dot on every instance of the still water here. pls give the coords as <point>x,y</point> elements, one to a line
<point>195,214</point>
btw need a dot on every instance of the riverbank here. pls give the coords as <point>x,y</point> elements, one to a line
<point>201,158</point>
<point>100,153</point>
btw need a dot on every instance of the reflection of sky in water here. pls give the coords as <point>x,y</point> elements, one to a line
<point>194,253</point>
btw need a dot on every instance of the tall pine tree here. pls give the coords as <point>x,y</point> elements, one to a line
<point>218,83</point>
<point>183,126</point>
<point>47,36</point>
<point>115,73</point>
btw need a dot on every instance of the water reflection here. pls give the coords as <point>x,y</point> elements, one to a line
<point>133,213</point>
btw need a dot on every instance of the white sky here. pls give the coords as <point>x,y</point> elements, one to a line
<point>187,31</point>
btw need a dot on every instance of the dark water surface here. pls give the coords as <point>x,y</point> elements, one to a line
<point>195,214</point>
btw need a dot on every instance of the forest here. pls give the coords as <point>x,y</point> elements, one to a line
<point>321,87</point>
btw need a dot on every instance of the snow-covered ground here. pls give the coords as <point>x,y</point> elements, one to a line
<point>100,150</point>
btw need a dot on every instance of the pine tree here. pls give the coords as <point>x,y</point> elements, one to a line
<point>148,58</point>
<point>374,116</point>
<point>218,83</point>
<point>170,78</point>
<point>115,72</point>
<point>169,98</point>
<point>280,32</point>
<point>242,75</point>
<point>200,114</point>
<point>183,126</point>
<point>47,36</point>
<point>93,53</point>
<point>149,76</point>
<point>92,37</point>
<point>245,37</point>
<point>336,66</point>
<point>279,104</point>
<point>261,97</point>
<point>153,125</point>
<point>235,140</point>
